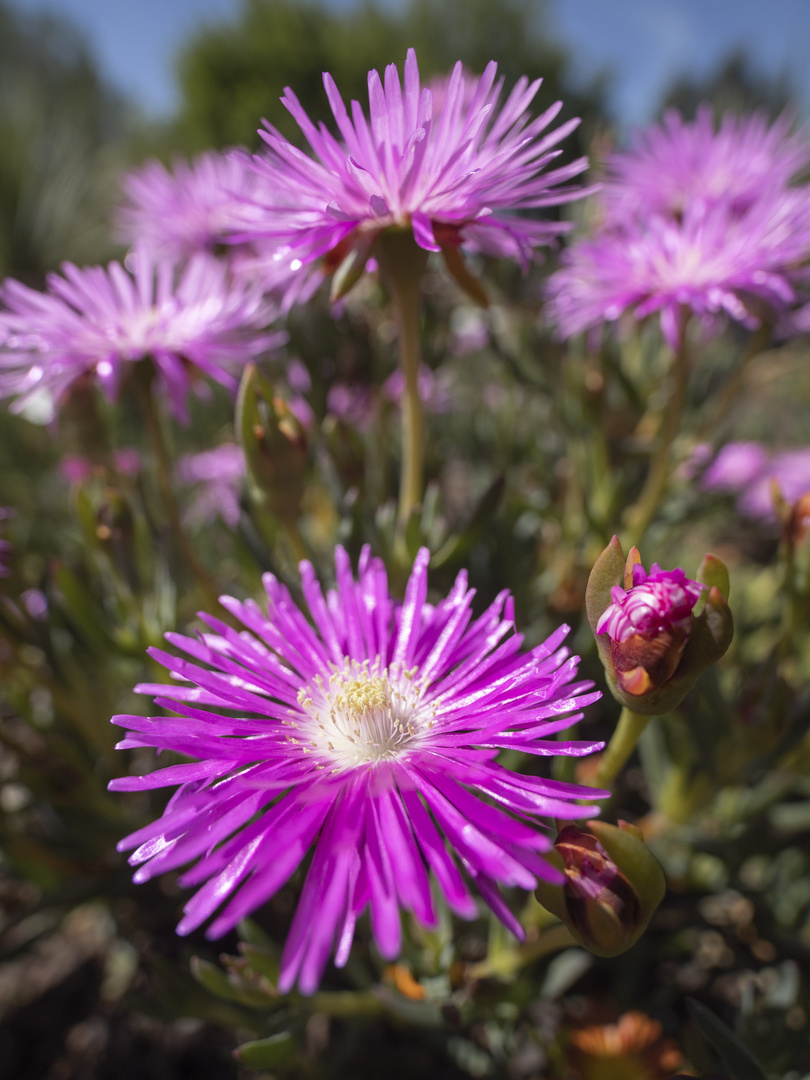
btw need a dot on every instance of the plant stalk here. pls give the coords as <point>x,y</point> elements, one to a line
<point>402,263</point>
<point>621,746</point>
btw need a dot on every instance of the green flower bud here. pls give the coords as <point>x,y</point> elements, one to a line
<point>613,885</point>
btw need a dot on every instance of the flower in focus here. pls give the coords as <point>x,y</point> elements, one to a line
<point>712,263</point>
<point>653,638</point>
<point>656,602</point>
<point>95,322</point>
<point>648,624</point>
<point>218,473</point>
<point>452,177</point>
<point>613,885</point>
<point>371,734</point>
<point>678,166</point>
<point>630,1049</point>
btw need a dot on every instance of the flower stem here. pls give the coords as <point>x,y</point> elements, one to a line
<point>621,746</point>
<point>402,263</point>
<point>157,441</point>
<point>507,963</point>
<point>639,516</point>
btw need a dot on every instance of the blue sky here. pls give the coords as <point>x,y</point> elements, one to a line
<point>642,43</point>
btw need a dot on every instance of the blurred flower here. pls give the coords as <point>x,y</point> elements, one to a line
<point>630,1049</point>
<point>94,322</point>
<point>353,403</point>
<point>712,263</point>
<point>451,177</point>
<point>613,885</point>
<point>362,733</point>
<point>750,470</point>
<point>433,389</point>
<point>77,469</point>
<point>676,167</point>
<point>736,466</point>
<point>188,209</point>
<point>219,474</point>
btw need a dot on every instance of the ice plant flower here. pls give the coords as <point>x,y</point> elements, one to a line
<point>94,323</point>
<point>630,1049</point>
<point>656,631</point>
<point>451,177</point>
<point>755,474</point>
<point>184,210</point>
<point>656,602</point>
<point>711,263</point>
<point>218,474</point>
<point>677,166</point>
<point>648,624</point>
<point>369,733</point>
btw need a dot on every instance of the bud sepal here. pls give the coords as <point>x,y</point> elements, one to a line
<point>613,885</point>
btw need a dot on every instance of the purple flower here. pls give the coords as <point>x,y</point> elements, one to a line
<point>95,322</point>
<point>789,470</point>
<point>711,262</point>
<point>657,603</point>
<point>736,466</point>
<point>370,733</point>
<point>186,210</point>
<point>677,166</point>
<point>219,474</point>
<point>453,177</point>
<point>750,469</point>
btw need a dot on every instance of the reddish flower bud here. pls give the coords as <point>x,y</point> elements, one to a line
<point>657,633</point>
<point>648,624</point>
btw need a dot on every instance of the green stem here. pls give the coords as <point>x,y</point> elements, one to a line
<point>733,386</point>
<point>621,746</point>
<point>639,516</point>
<point>507,963</point>
<point>154,432</point>
<point>402,263</point>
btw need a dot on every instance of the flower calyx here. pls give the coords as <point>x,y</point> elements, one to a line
<point>656,631</point>
<point>274,443</point>
<point>613,884</point>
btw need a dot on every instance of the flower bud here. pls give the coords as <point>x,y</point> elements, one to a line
<point>660,630</point>
<point>275,447</point>
<point>613,884</point>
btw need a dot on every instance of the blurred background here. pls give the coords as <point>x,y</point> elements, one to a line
<point>93,982</point>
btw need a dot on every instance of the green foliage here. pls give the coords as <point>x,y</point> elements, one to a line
<point>60,129</point>
<point>234,73</point>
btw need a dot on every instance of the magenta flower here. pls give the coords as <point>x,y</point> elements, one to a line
<point>369,733</point>
<point>678,166</point>
<point>95,322</point>
<point>453,177</point>
<point>710,262</point>
<point>659,602</point>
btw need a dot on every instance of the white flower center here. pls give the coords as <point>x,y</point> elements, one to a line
<point>362,715</point>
